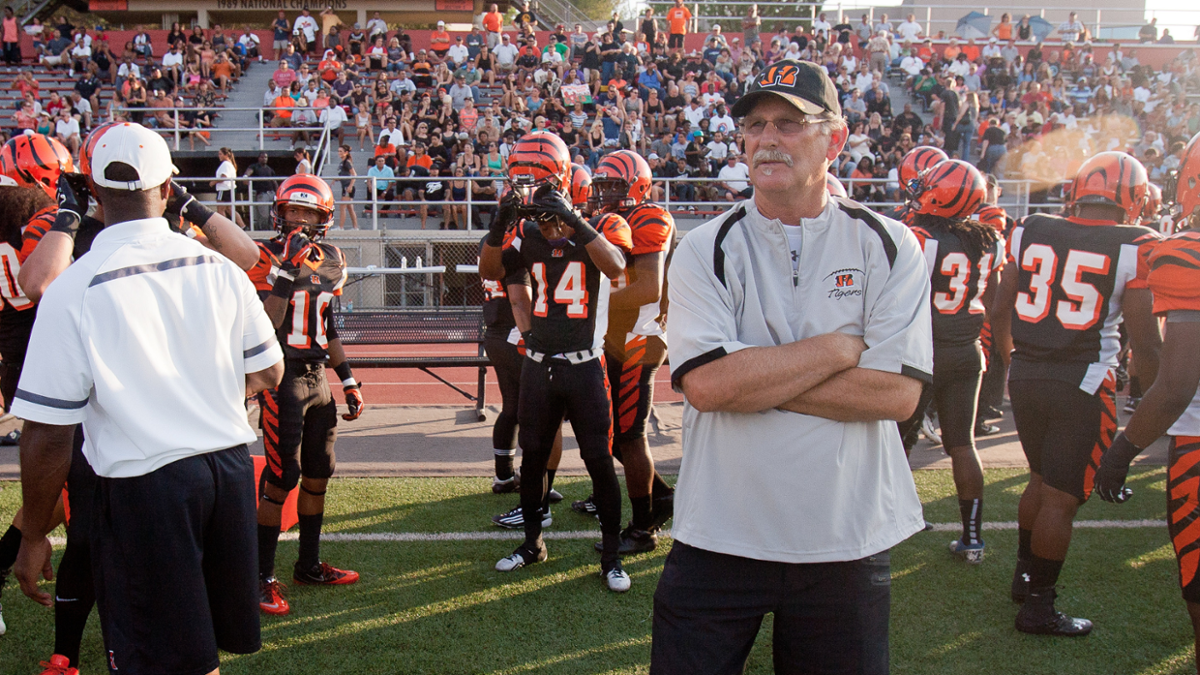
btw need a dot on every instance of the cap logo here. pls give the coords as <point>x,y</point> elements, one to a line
<point>784,75</point>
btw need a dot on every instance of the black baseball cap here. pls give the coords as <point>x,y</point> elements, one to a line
<point>802,83</point>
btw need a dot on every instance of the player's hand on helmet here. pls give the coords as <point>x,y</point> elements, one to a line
<point>1113,470</point>
<point>549,202</point>
<point>354,401</point>
<point>182,203</point>
<point>70,211</point>
<point>507,215</point>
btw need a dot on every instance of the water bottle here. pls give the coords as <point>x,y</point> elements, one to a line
<point>403,262</point>
<point>350,306</point>
<point>418,261</point>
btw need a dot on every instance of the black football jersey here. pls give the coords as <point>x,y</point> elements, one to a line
<point>1072,276</point>
<point>307,326</point>
<point>958,281</point>
<point>497,310</point>
<point>570,297</point>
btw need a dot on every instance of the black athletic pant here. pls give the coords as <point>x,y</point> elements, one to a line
<point>829,617</point>
<point>74,592</point>
<point>549,390</point>
<point>507,361</point>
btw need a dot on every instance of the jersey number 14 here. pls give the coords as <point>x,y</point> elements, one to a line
<point>571,290</point>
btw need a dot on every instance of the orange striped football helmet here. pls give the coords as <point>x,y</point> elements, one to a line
<point>993,216</point>
<point>581,186</point>
<point>835,187</point>
<point>951,189</point>
<point>1113,179</point>
<point>34,160</point>
<point>621,181</point>
<point>1186,191</point>
<point>917,160</point>
<point>307,191</point>
<point>539,158</point>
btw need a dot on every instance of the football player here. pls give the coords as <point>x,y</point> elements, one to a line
<point>912,164</point>
<point>635,344</point>
<point>1171,405</point>
<point>299,418</point>
<point>964,258</point>
<point>44,253</point>
<point>1073,280</point>
<point>567,258</point>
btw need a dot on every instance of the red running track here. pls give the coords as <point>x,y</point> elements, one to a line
<point>413,387</point>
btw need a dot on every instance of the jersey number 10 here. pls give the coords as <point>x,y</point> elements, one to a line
<point>302,333</point>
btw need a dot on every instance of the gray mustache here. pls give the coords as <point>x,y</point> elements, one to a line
<point>772,156</point>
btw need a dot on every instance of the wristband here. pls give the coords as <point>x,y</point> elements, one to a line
<point>1121,452</point>
<point>66,222</point>
<point>283,284</point>
<point>495,239</point>
<point>344,374</point>
<point>196,213</point>
<point>584,233</point>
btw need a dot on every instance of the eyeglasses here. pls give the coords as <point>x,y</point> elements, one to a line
<point>788,128</point>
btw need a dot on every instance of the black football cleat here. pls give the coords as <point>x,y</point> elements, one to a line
<point>633,540</point>
<point>1038,617</point>
<point>663,509</point>
<point>586,507</point>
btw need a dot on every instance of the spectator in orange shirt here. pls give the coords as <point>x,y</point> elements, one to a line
<point>678,17</point>
<point>26,118</point>
<point>283,114</point>
<point>971,50</point>
<point>952,50</point>
<point>925,51</point>
<point>439,41</point>
<point>222,71</point>
<point>329,67</point>
<point>493,23</point>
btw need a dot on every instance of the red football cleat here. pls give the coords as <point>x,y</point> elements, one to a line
<point>272,600</point>
<point>58,665</point>
<point>324,574</point>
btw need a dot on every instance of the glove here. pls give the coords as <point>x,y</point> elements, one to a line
<point>70,212</point>
<point>354,401</point>
<point>1114,467</point>
<point>551,203</point>
<point>184,204</point>
<point>295,250</point>
<point>506,216</point>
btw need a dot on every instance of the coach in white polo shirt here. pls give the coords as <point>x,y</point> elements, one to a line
<point>152,342</point>
<point>799,333</point>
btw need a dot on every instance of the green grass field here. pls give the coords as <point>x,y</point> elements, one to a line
<point>438,607</point>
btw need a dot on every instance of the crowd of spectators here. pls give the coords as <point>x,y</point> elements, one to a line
<point>433,117</point>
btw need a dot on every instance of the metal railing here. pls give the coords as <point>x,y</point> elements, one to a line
<point>263,130</point>
<point>1091,17</point>
<point>1017,194</point>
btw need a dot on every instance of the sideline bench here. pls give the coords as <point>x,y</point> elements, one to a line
<point>425,326</point>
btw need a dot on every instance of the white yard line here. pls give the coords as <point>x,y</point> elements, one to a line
<point>500,535</point>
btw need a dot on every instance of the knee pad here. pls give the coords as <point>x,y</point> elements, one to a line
<point>286,478</point>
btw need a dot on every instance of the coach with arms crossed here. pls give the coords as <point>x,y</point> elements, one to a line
<point>152,342</point>
<point>799,333</point>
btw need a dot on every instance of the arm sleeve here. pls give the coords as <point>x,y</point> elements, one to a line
<point>898,328</point>
<point>56,380</point>
<point>260,349</point>
<point>703,326</point>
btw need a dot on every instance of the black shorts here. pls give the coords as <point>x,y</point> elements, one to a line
<point>81,491</point>
<point>348,191</point>
<point>1183,510</point>
<point>299,420</point>
<point>829,617</point>
<point>957,371</point>
<point>631,379</point>
<point>555,388</point>
<point>675,41</point>
<point>1064,431</point>
<point>175,561</point>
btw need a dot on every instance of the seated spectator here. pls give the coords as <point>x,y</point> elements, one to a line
<point>380,180</point>
<point>439,42</point>
<point>81,108</point>
<point>163,116</point>
<point>26,117</point>
<point>66,130</point>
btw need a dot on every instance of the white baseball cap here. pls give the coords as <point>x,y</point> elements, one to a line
<point>441,23</point>
<point>140,148</point>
